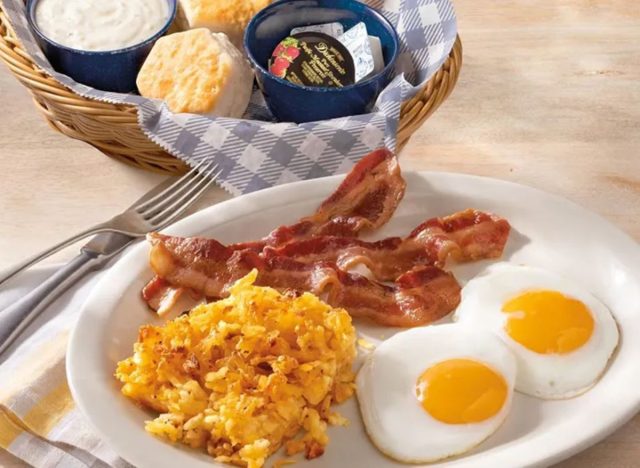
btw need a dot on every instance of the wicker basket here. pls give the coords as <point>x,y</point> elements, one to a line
<point>114,129</point>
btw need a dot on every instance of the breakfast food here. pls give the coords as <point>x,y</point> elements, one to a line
<point>425,394</point>
<point>198,72</point>
<point>207,268</point>
<point>364,201</point>
<point>561,335</point>
<point>420,292</point>
<point>96,25</point>
<point>220,16</point>
<point>313,59</point>
<point>453,393</point>
<point>242,376</point>
<point>463,236</point>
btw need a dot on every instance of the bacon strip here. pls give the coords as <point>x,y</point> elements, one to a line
<point>466,235</point>
<point>163,297</point>
<point>421,291</point>
<point>313,254</point>
<point>365,200</point>
<point>206,267</point>
<point>419,296</point>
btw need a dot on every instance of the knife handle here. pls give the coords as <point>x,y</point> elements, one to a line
<point>15,318</point>
<point>7,275</point>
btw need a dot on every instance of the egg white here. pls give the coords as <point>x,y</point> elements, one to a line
<point>394,418</point>
<point>548,376</point>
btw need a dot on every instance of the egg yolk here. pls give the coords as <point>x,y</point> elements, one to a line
<point>548,322</point>
<point>461,391</point>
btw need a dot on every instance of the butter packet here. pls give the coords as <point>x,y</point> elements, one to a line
<point>330,29</point>
<point>356,40</point>
<point>376,50</point>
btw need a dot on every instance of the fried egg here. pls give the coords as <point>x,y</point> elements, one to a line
<point>561,335</point>
<point>433,392</point>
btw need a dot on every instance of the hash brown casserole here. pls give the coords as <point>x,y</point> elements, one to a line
<point>244,375</point>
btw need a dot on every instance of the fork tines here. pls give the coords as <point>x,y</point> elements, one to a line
<point>165,207</point>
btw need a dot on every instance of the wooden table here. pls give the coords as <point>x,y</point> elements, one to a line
<point>549,96</point>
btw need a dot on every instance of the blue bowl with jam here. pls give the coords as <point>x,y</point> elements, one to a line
<point>290,102</point>
<point>113,70</point>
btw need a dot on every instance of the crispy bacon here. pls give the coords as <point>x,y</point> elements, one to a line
<point>419,296</point>
<point>206,268</point>
<point>365,200</point>
<point>155,292</point>
<point>164,297</point>
<point>386,259</point>
<point>314,254</point>
<point>199,264</point>
<point>318,264</point>
<point>467,235</point>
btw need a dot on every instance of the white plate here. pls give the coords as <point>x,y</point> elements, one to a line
<point>549,232</point>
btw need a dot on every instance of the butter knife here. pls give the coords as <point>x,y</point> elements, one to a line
<point>94,255</point>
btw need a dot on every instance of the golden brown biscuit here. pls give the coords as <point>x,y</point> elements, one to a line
<point>199,72</point>
<point>226,16</point>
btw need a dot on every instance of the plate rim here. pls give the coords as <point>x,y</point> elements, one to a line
<point>314,188</point>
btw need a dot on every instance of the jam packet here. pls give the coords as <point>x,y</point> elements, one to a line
<point>313,59</point>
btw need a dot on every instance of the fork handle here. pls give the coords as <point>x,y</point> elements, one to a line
<point>50,251</point>
<point>15,318</point>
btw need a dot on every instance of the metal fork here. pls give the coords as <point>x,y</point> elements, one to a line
<point>150,215</point>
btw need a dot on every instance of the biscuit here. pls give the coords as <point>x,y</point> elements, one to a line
<point>226,16</point>
<point>198,72</point>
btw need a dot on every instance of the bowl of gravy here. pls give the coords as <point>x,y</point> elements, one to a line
<point>100,43</point>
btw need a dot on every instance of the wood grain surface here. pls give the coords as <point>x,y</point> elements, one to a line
<point>549,96</point>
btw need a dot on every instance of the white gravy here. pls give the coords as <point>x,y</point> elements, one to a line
<point>100,25</point>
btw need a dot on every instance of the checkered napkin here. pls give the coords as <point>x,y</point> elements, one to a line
<point>256,152</point>
<point>39,422</point>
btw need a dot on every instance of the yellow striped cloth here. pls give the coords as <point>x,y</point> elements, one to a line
<point>39,422</point>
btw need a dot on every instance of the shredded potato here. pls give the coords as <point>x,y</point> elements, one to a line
<point>242,376</point>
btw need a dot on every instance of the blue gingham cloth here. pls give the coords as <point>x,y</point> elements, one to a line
<point>256,152</point>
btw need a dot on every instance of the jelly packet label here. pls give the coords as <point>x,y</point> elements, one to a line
<point>283,55</point>
<point>313,59</point>
<point>356,40</point>
<point>331,29</point>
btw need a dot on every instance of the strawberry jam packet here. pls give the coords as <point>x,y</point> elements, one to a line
<point>313,58</point>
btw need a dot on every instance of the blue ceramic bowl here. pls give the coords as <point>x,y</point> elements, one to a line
<point>289,102</point>
<point>114,70</point>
